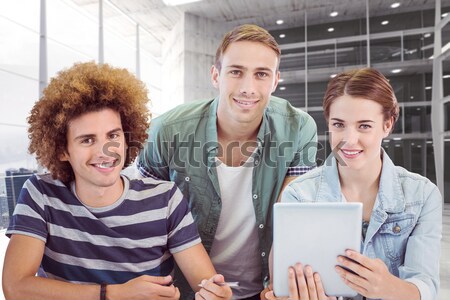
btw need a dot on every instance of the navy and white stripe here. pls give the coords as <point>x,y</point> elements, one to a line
<point>136,235</point>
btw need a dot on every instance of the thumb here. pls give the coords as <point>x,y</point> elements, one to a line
<point>218,278</point>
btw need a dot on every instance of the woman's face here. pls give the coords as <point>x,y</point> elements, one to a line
<point>357,128</point>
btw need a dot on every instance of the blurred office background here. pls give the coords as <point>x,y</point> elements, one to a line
<point>171,45</point>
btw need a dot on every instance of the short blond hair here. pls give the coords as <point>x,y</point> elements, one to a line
<point>247,32</point>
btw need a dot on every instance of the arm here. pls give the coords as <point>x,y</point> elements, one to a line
<point>419,275</point>
<point>20,282</point>
<point>196,266</point>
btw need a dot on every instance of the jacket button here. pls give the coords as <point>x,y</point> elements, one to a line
<point>187,178</point>
<point>397,228</point>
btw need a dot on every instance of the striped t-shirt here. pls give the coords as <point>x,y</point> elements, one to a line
<point>136,235</point>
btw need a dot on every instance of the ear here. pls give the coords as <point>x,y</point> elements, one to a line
<point>388,126</point>
<point>277,79</point>
<point>64,156</point>
<point>215,73</point>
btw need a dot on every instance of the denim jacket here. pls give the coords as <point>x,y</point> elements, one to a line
<point>405,227</point>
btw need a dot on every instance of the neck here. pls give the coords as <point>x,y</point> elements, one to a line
<point>99,196</point>
<point>362,183</point>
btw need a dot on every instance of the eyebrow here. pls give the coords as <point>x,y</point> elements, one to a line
<point>360,121</point>
<point>86,136</point>
<point>244,68</point>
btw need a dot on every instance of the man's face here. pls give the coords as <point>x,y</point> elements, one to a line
<point>245,82</point>
<point>96,149</point>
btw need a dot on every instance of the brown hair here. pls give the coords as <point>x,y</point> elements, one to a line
<point>364,83</point>
<point>84,88</point>
<point>247,32</point>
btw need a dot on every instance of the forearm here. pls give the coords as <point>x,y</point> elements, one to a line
<point>38,288</point>
<point>403,290</point>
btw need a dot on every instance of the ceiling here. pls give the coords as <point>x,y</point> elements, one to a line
<point>158,19</point>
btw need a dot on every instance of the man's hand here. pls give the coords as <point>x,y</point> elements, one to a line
<point>214,288</point>
<point>144,287</point>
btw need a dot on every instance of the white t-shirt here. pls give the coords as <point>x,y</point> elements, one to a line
<point>235,249</point>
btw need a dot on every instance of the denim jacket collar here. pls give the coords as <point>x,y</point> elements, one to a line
<point>390,196</point>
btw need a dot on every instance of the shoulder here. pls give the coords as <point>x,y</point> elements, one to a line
<point>151,186</point>
<point>183,113</point>
<point>283,108</point>
<point>415,185</point>
<point>304,187</point>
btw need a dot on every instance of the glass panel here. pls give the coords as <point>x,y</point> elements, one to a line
<point>19,49</point>
<point>321,57</point>
<point>351,54</point>
<point>76,41</point>
<point>394,22</point>
<point>120,39</point>
<point>15,11</point>
<point>447,171</point>
<point>294,93</point>
<point>322,126</point>
<point>409,88</point>
<point>385,50</point>
<point>417,119</point>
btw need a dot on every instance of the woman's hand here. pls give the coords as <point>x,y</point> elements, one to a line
<point>372,279</point>
<point>304,284</point>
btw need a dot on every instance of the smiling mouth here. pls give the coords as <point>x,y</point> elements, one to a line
<point>246,103</point>
<point>106,165</point>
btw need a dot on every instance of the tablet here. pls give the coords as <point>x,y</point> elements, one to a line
<point>314,234</point>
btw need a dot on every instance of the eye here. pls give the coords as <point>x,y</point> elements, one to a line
<point>87,141</point>
<point>114,136</point>
<point>365,126</point>
<point>262,74</point>
<point>338,125</point>
<point>235,72</point>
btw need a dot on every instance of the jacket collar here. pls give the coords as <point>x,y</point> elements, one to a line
<point>391,198</point>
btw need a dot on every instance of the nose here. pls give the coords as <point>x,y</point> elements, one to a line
<point>351,137</point>
<point>248,85</point>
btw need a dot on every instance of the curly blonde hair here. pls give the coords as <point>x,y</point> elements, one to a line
<point>84,88</point>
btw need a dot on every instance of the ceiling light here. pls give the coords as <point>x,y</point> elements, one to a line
<point>282,36</point>
<point>281,80</point>
<point>395,71</point>
<point>395,5</point>
<point>446,76</point>
<point>397,145</point>
<point>178,2</point>
<point>282,88</point>
<point>428,87</point>
<point>334,14</point>
<point>418,108</point>
<point>427,35</point>
<point>333,75</point>
<point>331,29</point>
<point>385,22</point>
<point>279,22</point>
<point>444,15</point>
<point>412,97</point>
<point>386,141</point>
<point>397,139</point>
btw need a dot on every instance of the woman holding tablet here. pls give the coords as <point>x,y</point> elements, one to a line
<point>402,211</point>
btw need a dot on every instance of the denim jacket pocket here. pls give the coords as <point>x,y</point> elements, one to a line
<point>193,188</point>
<point>394,234</point>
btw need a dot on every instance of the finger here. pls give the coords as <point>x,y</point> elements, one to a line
<point>301,281</point>
<point>293,290</point>
<point>176,296</point>
<point>162,280</point>
<point>360,259</point>
<point>356,288</point>
<point>319,287</point>
<point>214,289</point>
<point>198,296</point>
<point>353,278</point>
<point>165,291</point>
<point>311,284</point>
<point>354,266</point>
